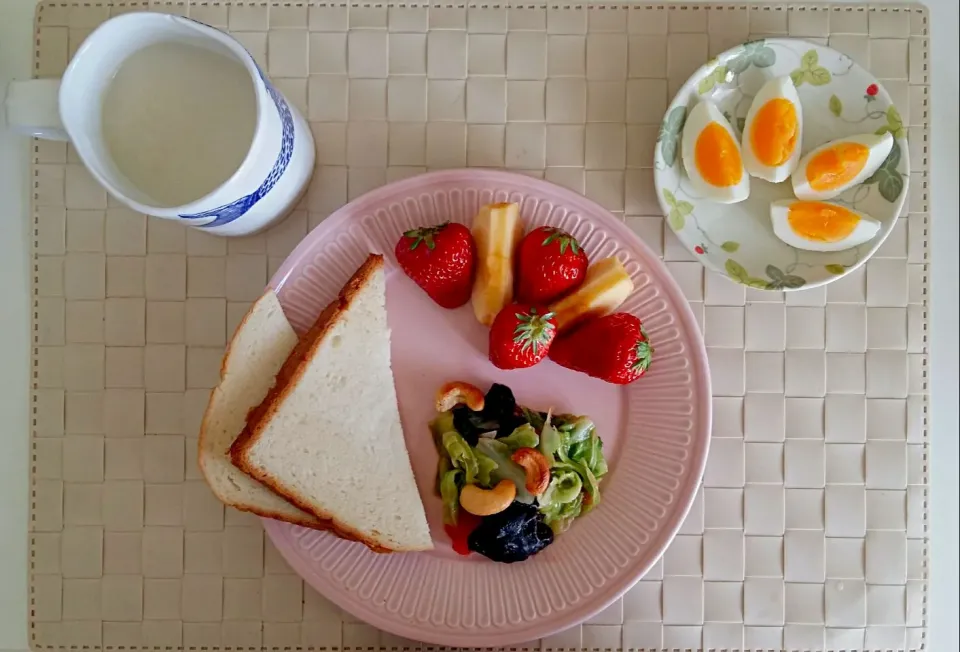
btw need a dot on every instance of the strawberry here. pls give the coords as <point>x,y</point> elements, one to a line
<point>441,260</point>
<point>520,336</point>
<point>614,348</point>
<point>550,263</point>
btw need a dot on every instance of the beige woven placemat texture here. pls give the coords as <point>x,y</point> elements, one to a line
<point>810,531</point>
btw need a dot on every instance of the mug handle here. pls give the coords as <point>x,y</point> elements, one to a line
<point>33,108</point>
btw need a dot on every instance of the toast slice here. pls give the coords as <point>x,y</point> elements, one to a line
<point>328,437</point>
<point>261,344</point>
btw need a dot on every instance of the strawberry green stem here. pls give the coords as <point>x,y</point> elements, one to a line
<point>564,238</point>
<point>643,352</point>
<point>534,330</point>
<point>424,234</point>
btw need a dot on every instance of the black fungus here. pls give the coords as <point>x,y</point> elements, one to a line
<point>500,413</point>
<point>510,423</point>
<point>500,406</point>
<point>499,403</point>
<point>512,535</point>
<point>472,424</point>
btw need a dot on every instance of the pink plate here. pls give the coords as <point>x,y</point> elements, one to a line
<point>655,431</point>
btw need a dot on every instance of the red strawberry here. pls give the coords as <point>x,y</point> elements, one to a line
<point>520,336</point>
<point>441,260</point>
<point>614,348</point>
<point>550,263</point>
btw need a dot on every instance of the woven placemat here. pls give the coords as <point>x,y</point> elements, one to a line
<point>810,531</point>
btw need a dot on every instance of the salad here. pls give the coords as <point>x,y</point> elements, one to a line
<point>511,478</point>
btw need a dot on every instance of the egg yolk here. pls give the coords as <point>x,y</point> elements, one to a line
<point>717,156</point>
<point>774,132</point>
<point>836,166</point>
<point>821,222</point>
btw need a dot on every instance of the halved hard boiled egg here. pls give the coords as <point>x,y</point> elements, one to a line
<point>773,131</point>
<point>839,165</point>
<point>821,225</point>
<point>711,156</point>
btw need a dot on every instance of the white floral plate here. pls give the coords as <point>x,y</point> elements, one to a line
<point>839,98</point>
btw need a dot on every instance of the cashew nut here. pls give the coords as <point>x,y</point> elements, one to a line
<point>484,502</point>
<point>457,393</point>
<point>536,468</point>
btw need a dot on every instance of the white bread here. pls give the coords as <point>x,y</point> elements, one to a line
<point>328,436</point>
<point>261,344</point>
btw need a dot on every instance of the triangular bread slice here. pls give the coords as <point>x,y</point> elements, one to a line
<point>328,435</point>
<point>259,347</point>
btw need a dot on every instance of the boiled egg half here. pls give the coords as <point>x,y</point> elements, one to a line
<point>773,131</point>
<point>711,156</point>
<point>821,225</point>
<point>839,165</point>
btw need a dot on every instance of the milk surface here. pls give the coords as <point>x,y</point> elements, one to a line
<point>178,120</point>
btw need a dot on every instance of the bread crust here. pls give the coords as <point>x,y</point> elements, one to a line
<point>288,377</point>
<point>307,521</point>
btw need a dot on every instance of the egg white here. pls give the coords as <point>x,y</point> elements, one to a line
<point>776,88</point>
<point>702,115</point>
<point>879,147</point>
<point>865,230</point>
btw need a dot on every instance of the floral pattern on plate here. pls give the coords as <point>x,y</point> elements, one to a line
<point>839,98</point>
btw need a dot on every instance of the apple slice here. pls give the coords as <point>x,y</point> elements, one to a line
<point>605,287</point>
<point>497,231</point>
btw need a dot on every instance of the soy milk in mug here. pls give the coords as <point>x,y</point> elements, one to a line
<point>176,120</point>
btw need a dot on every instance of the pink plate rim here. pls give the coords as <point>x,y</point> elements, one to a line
<point>615,588</point>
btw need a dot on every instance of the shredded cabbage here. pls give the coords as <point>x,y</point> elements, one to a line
<point>533,417</point>
<point>563,500</point>
<point>580,431</point>
<point>570,443</point>
<point>461,455</point>
<point>450,495</point>
<point>564,487</point>
<point>442,423</point>
<point>550,440</point>
<point>485,466</point>
<point>577,465</point>
<point>523,437</point>
<point>506,469</point>
<point>443,465</point>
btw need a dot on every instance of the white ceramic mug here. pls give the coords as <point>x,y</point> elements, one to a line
<point>264,188</point>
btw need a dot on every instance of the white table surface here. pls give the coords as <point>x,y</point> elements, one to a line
<point>16,38</point>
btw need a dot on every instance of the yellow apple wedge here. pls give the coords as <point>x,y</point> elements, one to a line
<point>497,230</point>
<point>604,288</point>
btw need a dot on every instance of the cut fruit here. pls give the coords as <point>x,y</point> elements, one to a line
<point>497,231</point>
<point>606,286</point>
